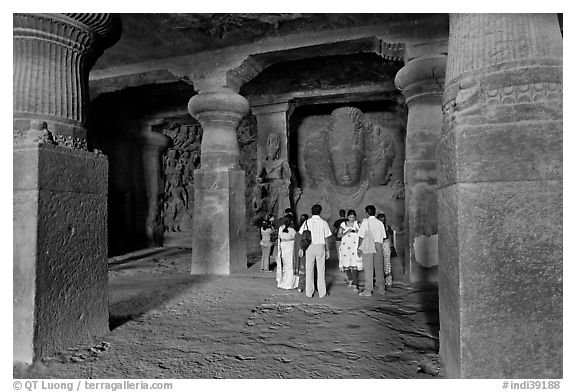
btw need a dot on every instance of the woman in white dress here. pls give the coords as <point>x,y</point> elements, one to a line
<point>348,251</point>
<point>285,269</point>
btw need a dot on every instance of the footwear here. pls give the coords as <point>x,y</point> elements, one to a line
<point>350,283</point>
<point>365,294</point>
<point>356,289</point>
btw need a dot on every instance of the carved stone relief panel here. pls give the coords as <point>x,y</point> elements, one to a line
<point>179,162</point>
<point>348,159</point>
<point>247,142</point>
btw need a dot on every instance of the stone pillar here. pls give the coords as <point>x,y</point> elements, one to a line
<point>152,144</point>
<point>219,245</point>
<point>422,82</point>
<point>500,198</point>
<point>60,189</point>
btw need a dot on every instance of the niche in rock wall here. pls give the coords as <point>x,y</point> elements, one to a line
<point>348,156</point>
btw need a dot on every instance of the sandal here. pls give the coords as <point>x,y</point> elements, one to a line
<point>365,294</point>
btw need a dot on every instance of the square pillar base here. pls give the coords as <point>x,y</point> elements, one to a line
<point>60,249</point>
<point>218,245</point>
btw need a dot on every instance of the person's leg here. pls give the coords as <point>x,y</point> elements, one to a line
<point>354,277</point>
<point>266,258</point>
<point>302,274</point>
<point>379,268</point>
<point>262,259</point>
<point>387,264</point>
<point>349,276</point>
<point>279,271</point>
<point>321,266</point>
<point>368,259</point>
<point>310,256</point>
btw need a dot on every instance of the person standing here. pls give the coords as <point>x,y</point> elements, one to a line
<point>348,259</point>
<point>300,260</point>
<point>285,268</point>
<point>273,237</point>
<point>280,221</point>
<point>317,252</point>
<point>303,218</point>
<point>386,250</point>
<point>266,244</point>
<point>373,232</point>
<point>336,229</point>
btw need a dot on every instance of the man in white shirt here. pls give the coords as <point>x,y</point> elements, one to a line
<point>373,259</point>
<point>317,252</point>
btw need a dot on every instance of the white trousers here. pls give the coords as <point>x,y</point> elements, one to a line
<point>315,254</point>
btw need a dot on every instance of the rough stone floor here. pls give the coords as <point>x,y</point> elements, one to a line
<point>166,323</point>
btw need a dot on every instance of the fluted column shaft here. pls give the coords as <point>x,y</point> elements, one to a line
<point>500,198</point>
<point>218,237</point>
<point>53,54</point>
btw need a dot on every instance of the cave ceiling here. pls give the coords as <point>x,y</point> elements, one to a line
<point>322,73</point>
<point>155,36</point>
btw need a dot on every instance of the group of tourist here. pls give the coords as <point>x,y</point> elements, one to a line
<point>299,247</point>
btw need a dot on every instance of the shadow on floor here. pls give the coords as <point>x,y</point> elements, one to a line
<point>144,280</point>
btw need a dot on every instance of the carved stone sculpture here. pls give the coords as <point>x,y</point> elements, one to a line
<point>349,164</point>
<point>275,175</point>
<point>175,203</point>
<point>181,159</point>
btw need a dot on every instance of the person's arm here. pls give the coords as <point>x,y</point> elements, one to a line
<point>361,232</point>
<point>327,234</point>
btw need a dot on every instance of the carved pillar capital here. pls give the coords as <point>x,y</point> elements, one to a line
<point>422,76</point>
<point>219,111</point>
<point>53,54</point>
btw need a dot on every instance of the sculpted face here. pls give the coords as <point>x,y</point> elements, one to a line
<point>347,166</point>
<point>345,150</point>
<point>381,173</point>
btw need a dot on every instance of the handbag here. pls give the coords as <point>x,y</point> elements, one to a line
<point>306,239</point>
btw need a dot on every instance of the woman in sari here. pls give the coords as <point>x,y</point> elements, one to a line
<point>349,261</point>
<point>285,268</point>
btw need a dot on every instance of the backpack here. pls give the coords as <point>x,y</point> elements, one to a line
<point>306,239</point>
